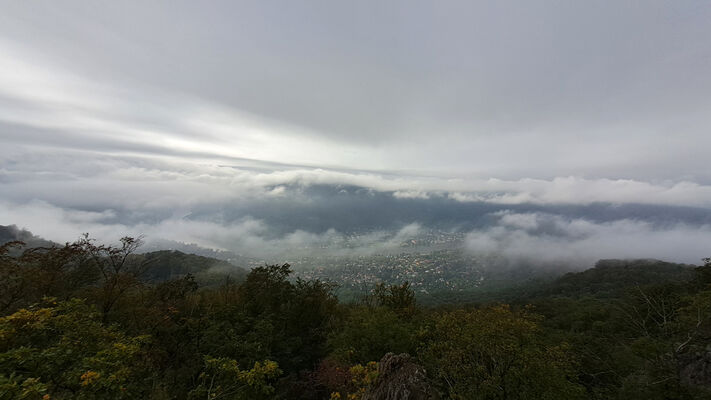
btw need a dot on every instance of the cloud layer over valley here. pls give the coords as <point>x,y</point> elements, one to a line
<point>271,130</point>
<point>272,213</point>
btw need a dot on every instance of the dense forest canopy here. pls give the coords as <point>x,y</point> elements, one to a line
<point>90,321</point>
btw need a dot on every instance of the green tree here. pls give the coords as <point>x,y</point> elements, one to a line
<point>400,298</point>
<point>58,271</point>
<point>368,333</point>
<point>65,347</point>
<point>270,317</point>
<point>119,271</point>
<point>222,379</point>
<point>496,353</point>
<point>386,320</point>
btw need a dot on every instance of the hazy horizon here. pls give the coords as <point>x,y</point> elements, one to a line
<point>551,131</point>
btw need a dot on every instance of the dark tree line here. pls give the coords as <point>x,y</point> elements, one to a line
<point>81,321</point>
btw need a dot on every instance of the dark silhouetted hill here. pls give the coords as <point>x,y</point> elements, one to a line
<point>164,264</point>
<point>171,264</point>
<point>609,278</point>
<point>10,233</point>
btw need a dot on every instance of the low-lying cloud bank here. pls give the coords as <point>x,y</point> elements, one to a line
<point>547,238</point>
<point>538,238</point>
<point>84,179</point>
<point>248,236</point>
<point>264,210</point>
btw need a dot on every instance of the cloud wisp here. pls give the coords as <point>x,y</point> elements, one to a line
<point>554,240</point>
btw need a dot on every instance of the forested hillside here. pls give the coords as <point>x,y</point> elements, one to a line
<point>88,321</point>
<point>159,265</point>
<point>9,233</point>
<point>169,264</point>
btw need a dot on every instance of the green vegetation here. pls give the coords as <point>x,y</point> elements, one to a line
<point>85,321</point>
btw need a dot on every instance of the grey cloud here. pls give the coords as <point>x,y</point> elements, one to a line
<point>268,211</point>
<point>547,237</point>
<point>96,180</point>
<point>553,239</point>
<point>247,236</point>
<point>509,90</point>
<point>495,57</point>
<point>251,125</point>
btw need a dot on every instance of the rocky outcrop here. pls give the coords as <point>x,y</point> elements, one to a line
<point>696,369</point>
<point>400,378</point>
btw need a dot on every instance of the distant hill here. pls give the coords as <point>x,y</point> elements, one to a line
<point>169,264</point>
<point>10,233</point>
<point>164,264</point>
<point>609,278</point>
<point>192,248</point>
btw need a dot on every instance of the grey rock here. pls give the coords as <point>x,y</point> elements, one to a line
<point>400,378</point>
<point>696,369</point>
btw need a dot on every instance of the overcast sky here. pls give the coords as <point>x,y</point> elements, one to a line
<point>155,109</point>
